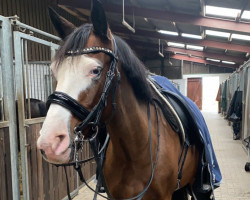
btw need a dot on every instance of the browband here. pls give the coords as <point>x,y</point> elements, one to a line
<point>93,50</point>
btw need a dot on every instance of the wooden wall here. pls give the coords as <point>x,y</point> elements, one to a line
<point>35,14</point>
<point>48,181</point>
<point>45,181</point>
<point>5,172</point>
<point>172,68</point>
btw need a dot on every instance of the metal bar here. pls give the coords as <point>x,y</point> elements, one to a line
<point>27,79</point>
<point>34,121</point>
<point>124,21</point>
<point>4,124</point>
<point>2,108</point>
<point>36,83</point>
<point>35,39</point>
<point>159,51</point>
<point>9,100</point>
<point>18,23</point>
<point>33,78</point>
<point>1,89</point>
<point>40,62</point>
<point>30,86</point>
<point>21,117</point>
<point>51,77</point>
<point>43,82</point>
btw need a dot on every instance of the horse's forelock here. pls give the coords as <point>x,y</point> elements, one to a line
<point>75,41</point>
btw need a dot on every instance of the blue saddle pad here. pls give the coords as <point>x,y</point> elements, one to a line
<point>215,174</point>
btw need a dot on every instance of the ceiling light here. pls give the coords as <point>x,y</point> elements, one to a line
<point>228,62</point>
<point>211,59</point>
<point>191,36</point>
<point>168,32</point>
<point>181,53</point>
<point>174,44</point>
<point>193,47</point>
<point>246,15</point>
<point>240,37</point>
<point>217,33</point>
<point>220,11</point>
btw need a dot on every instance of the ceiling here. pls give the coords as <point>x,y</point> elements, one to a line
<point>180,16</point>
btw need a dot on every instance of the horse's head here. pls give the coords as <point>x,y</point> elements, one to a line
<point>81,73</point>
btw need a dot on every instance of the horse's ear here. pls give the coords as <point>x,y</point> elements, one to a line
<point>99,20</point>
<point>63,26</point>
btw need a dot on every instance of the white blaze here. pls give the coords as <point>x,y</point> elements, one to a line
<point>73,76</point>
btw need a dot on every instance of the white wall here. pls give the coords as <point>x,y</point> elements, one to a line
<point>182,85</point>
<point>210,86</point>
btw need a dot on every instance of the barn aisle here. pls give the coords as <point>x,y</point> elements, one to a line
<point>231,158</point>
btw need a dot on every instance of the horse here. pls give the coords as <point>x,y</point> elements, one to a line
<point>96,69</point>
<point>37,108</point>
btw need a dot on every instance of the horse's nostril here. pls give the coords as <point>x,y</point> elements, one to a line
<point>61,137</point>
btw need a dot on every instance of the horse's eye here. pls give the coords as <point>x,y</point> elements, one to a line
<point>96,71</point>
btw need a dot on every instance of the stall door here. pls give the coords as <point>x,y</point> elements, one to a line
<point>194,91</point>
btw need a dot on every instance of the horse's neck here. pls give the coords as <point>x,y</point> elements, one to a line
<point>129,127</point>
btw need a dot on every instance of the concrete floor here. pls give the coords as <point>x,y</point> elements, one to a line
<point>231,158</point>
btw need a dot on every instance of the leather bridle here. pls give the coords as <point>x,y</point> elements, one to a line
<point>89,118</point>
<point>92,119</point>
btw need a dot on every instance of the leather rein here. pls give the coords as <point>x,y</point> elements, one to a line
<point>92,119</point>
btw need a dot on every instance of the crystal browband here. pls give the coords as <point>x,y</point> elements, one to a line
<point>92,50</point>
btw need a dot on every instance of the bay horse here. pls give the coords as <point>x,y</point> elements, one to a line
<point>142,143</point>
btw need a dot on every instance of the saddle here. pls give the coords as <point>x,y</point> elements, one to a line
<point>202,187</point>
<point>185,115</point>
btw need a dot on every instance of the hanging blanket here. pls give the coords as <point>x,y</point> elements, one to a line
<point>212,165</point>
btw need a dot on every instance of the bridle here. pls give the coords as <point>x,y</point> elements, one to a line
<point>92,119</point>
<point>89,118</point>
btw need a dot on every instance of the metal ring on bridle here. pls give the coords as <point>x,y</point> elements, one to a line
<point>93,136</point>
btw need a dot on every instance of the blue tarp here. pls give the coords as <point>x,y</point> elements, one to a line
<point>209,151</point>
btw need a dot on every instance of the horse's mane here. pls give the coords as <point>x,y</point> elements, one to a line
<point>131,65</point>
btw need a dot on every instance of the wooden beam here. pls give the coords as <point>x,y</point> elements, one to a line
<point>154,47</point>
<point>222,24</point>
<point>203,54</point>
<point>179,39</point>
<point>146,50</point>
<point>202,61</point>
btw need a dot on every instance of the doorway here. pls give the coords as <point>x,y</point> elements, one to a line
<point>194,91</point>
<point>210,90</point>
